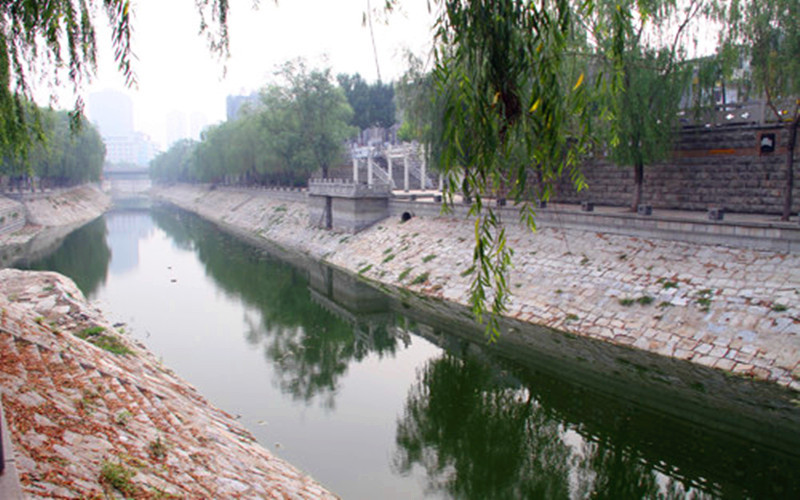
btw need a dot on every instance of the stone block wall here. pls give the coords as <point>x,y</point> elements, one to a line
<point>718,166</point>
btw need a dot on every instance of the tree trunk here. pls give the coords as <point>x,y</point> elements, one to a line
<point>324,171</point>
<point>790,144</point>
<point>638,179</point>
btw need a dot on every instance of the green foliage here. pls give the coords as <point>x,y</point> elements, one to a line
<point>53,38</point>
<point>110,343</point>
<point>297,129</point>
<point>118,476</point>
<point>373,104</point>
<point>419,280</point>
<point>175,164</point>
<point>58,153</point>
<point>767,35</point>
<point>403,275</point>
<point>514,106</point>
<point>422,113</point>
<point>649,77</point>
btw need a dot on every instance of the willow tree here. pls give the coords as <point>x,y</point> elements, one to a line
<point>642,45</point>
<point>767,36</point>
<point>513,104</point>
<point>55,42</point>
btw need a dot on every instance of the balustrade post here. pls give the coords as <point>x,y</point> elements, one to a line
<point>405,172</point>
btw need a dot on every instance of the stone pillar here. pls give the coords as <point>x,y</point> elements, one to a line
<point>369,168</point>
<point>389,167</point>
<point>355,170</point>
<point>441,183</point>
<point>405,172</point>
<point>422,170</point>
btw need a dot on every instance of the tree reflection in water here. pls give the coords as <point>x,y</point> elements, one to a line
<point>478,425</point>
<point>83,256</point>
<point>309,348</point>
<point>480,433</point>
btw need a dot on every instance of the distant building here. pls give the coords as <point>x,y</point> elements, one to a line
<point>134,149</point>
<point>234,104</point>
<point>112,113</point>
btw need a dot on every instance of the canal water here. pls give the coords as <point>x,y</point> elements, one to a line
<point>379,396</point>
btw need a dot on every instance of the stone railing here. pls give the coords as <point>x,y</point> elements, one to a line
<point>344,188</point>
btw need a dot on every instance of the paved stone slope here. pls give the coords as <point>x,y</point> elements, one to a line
<point>733,309</point>
<point>86,423</point>
<point>48,216</point>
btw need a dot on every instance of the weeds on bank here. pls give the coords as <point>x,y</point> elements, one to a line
<point>405,274</point>
<point>95,335</point>
<point>704,299</point>
<point>644,300</point>
<point>667,284</point>
<point>157,449</point>
<point>122,418</point>
<point>118,476</point>
<point>422,278</point>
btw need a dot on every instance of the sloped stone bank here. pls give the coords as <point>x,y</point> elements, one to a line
<point>735,310</point>
<point>92,422</point>
<point>41,220</point>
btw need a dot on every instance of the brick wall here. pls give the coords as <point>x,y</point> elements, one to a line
<point>720,166</point>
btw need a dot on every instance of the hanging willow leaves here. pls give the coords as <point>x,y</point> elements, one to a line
<point>55,42</point>
<point>515,110</point>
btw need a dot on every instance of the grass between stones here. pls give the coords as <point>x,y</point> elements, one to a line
<point>112,344</point>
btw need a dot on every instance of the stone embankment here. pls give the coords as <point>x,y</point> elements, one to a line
<point>31,223</point>
<point>736,310</point>
<point>93,415</point>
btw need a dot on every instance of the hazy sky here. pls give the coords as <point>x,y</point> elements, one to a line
<point>175,70</point>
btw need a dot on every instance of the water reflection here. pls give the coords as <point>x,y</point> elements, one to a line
<point>125,230</point>
<point>482,428</point>
<point>476,437</point>
<point>308,345</point>
<point>84,256</point>
<point>574,421</point>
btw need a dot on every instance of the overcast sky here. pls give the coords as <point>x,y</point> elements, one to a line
<point>175,70</point>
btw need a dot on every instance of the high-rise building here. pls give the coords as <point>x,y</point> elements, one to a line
<point>234,103</point>
<point>112,113</point>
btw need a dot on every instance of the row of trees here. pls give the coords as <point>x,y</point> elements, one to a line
<point>62,151</point>
<point>297,128</point>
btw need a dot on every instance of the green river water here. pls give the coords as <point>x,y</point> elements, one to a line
<point>387,396</point>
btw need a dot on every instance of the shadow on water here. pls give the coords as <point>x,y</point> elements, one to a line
<point>540,414</point>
